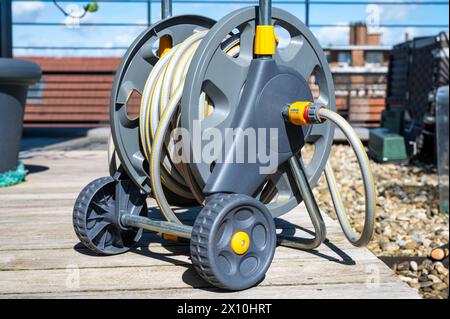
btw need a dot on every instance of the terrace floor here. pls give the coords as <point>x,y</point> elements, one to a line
<point>40,256</point>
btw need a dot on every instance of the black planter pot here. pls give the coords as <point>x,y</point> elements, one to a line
<point>15,77</point>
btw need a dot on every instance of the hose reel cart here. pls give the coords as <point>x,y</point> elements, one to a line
<point>195,74</point>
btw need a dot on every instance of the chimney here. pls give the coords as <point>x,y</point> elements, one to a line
<point>373,38</point>
<point>358,34</point>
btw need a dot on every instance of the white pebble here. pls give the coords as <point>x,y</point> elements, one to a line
<point>413,265</point>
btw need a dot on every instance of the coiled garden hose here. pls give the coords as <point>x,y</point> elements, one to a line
<point>368,180</point>
<point>159,111</point>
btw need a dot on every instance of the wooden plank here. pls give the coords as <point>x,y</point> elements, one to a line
<point>317,291</point>
<point>40,255</point>
<point>156,252</point>
<point>282,272</point>
<point>54,230</point>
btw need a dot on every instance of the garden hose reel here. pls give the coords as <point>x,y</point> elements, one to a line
<point>220,75</point>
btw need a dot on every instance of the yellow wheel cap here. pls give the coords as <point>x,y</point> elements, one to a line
<point>240,242</point>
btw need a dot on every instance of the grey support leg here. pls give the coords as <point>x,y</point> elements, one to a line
<point>301,180</point>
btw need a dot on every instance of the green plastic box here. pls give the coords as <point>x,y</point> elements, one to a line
<point>392,119</point>
<point>386,146</point>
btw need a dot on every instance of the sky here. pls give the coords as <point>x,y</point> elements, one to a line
<point>26,36</point>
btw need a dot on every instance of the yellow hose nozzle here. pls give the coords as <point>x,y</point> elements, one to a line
<point>303,113</point>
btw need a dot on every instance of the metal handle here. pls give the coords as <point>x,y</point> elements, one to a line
<point>265,12</point>
<point>166,9</point>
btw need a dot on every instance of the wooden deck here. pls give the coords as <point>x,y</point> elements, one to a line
<point>40,256</point>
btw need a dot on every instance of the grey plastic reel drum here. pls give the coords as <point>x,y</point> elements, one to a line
<point>222,78</point>
<point>131,76</point>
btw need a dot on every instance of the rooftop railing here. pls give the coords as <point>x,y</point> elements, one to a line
<point>317,14</point>
<point>80,97</point>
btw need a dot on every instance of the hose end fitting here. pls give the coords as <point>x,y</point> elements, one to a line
<point>302,113</point>
<point>313,113</point>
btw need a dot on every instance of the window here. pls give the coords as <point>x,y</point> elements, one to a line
<point>344,57</point>
<point>374,57</point>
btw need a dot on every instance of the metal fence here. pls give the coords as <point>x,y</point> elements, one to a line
<point>308,11</point>
<point>80,97</point>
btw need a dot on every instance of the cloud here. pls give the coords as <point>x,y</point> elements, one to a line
<point>27,11</point>
<point>329,36</point>
<point>391,36</point>
<point>375,15</point>
<point>392,14</point>
<point>396,14</point>
<point>332,36</point>
<point>98,36</point>
<point>125,37</point>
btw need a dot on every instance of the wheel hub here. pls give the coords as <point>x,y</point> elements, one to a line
<point>95,220</point>
<point>240,242</point>
<point>233,241</point>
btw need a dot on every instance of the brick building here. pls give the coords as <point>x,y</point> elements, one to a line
<point>76,91</point>
<point>359,70</point>
<point>364,51</point>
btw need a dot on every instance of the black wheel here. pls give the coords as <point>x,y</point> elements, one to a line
<point>233,241</point>
<point>95,221</point>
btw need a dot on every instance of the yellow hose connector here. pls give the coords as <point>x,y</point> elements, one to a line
<point>303,113</point>
<point>298,113</point>
<point>265,40</point>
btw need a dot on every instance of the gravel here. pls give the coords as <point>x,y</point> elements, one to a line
<point>408,220</point>
<point>429,277</point>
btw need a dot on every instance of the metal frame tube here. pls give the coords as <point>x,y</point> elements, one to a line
<point>6,50</point>
<point>158,226</point>
<point>298,172</point>
<point>307,5</point>
<point>149,13</point>
<point>265,12</point>
<point>166,9</point>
